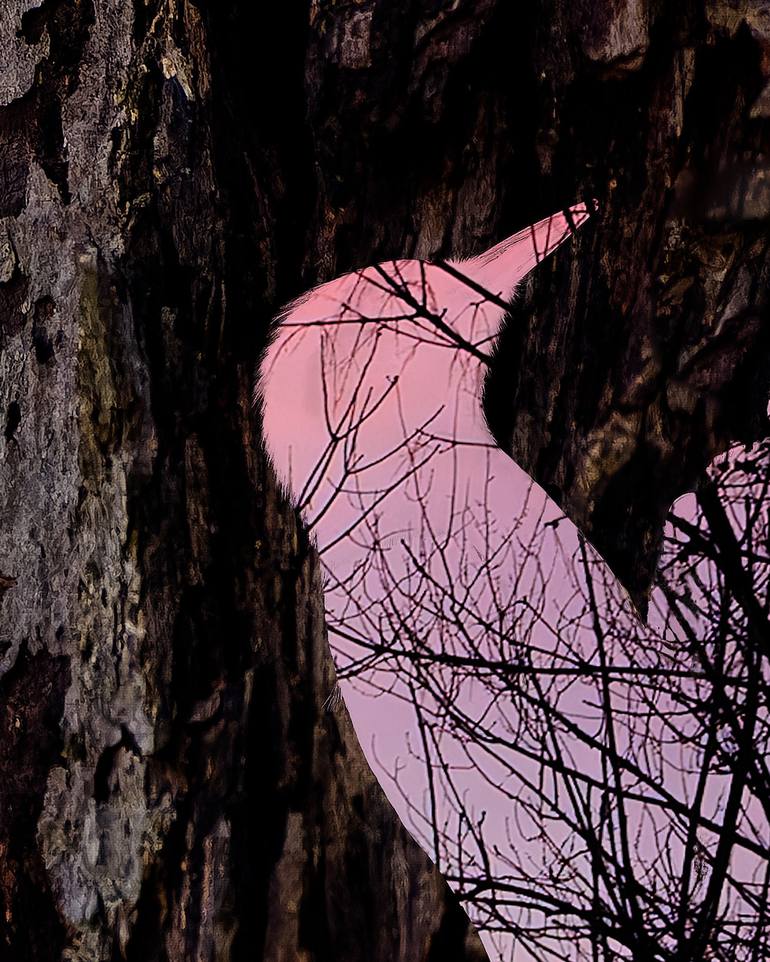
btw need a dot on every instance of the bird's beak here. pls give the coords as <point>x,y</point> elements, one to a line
<point>503,266</point>
<point>547,235</point>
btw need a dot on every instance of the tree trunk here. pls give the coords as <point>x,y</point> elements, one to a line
<point>173,787</point>
<point>171,172</point>
<point>628,367</point>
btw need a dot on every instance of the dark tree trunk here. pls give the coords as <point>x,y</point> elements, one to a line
<point>172,787</point>
<point>630,366</point>
<point>170,173</point>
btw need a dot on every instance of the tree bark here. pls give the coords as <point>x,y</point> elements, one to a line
<point>171,172</point>
<point>628,367</point>
<point>173,786</point>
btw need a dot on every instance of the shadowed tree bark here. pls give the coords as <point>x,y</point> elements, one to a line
<point>172,172</point>
<point>172,785</point>
<point>620,378</point>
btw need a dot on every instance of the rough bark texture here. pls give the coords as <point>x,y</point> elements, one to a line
<point>170,172</point>
<point>628,368</point>
<point>172,787</point>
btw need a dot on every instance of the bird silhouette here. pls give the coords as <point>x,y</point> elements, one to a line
<point>435,545</point>
<point>370,392</point>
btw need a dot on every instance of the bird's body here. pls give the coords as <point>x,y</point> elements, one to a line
<point>371,397</point>
<point>439,553</point>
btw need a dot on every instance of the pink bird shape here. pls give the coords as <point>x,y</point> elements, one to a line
<point>370,393</point>
<point>436,545</point>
